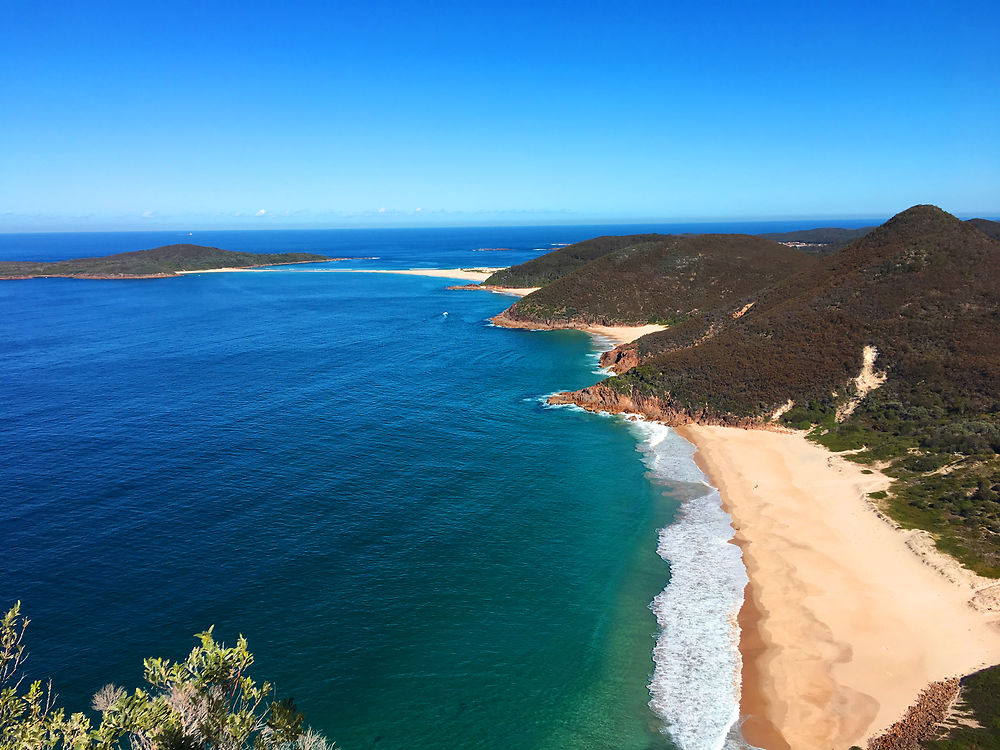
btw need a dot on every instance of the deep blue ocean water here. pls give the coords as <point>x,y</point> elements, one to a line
<point>370,490</point>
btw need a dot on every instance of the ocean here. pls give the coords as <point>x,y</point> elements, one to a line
<point>359,474</point>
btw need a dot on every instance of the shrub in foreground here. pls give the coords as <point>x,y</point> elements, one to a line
<point>205,702</point>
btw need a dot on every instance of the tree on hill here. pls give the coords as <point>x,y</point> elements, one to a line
<point>205,702</point>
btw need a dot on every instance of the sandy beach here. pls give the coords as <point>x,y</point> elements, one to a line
<point>844,622</point>
<point>617,334</point>
<point>624,334</point>
<point>465,274</point>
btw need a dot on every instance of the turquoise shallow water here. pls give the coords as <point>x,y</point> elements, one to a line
<point>368,489</point>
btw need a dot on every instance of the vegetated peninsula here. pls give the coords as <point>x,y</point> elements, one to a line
<point>651,279</point>
<point>159,262</point>
<point>558,263</point>
<point>887,351</point>
<point>889,347</point>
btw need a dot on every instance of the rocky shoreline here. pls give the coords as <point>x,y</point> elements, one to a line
<point>504,320</point>
<point>920,723</point>
<point>603,398</point>
<point>621,359</point>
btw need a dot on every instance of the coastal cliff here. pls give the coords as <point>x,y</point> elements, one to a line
<point>603,398</point>
<point>510,318</point>
<point>621,359</point>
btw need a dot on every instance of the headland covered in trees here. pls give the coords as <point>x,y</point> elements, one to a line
<point>879,344</point>
<point>156,263</point>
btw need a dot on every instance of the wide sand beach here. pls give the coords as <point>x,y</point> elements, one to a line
<point>846,618</point>
<point>465,274</point>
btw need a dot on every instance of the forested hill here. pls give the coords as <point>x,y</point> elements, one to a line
<point>662,279</point>
<point>551,266</point>
<point>829,239</point>
<point>987,227</point>
<point>822,240</point>
<point>160,261</point>
<point>922,288</point>
<point>923,291</point>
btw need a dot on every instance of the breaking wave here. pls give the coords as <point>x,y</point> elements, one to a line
<point>695,686</point>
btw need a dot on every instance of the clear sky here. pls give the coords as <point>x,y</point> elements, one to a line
<point>247,114</point>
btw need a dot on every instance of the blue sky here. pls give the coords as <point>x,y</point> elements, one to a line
<point>231,115</point>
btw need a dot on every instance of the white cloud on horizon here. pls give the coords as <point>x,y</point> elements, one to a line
<point>262,212</point>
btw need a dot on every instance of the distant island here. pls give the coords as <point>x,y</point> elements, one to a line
<point>157,263</point>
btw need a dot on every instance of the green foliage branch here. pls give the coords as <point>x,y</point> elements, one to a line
<point>207,701</point>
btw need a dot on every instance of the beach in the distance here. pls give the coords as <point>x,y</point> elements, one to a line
<point>466,274</point>
<point>844,624</point>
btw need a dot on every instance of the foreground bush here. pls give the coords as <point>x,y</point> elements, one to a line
<point>206,702</point>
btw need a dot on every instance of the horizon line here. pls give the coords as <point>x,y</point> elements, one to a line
<point>566,222</point>
<point>591,223</point>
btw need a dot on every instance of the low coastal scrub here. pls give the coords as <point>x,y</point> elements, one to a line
<point>554,265</point>
<point>665,280</point>
<point>944,464</point>
<point>205,702</point>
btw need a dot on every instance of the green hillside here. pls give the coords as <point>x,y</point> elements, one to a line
<point>551,266</point>
<point>666,279</point>
<point>924,289</point>
<point>987,227</point>
<point>557,264</point>
<point>160,261</point>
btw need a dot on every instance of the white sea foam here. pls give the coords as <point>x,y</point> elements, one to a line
<point>595,358</point>
<point>544,401</point>
<point>695,687</point>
